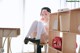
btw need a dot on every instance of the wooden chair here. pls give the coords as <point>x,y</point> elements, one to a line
<point>43,42</point>
<point>45,48</point>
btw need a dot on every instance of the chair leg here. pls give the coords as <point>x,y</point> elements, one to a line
<point>38,48</point>
<point>35,48</point>
<point>46,48</point>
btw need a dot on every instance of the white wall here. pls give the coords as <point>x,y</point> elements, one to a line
<point>11,13</point>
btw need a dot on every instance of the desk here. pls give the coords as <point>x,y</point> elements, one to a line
<point>8,33</point>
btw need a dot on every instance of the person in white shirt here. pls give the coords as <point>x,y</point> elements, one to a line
<point>39,28</point>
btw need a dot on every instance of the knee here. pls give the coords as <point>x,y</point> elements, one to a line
<point>40,23</point>
<point>35,22</point>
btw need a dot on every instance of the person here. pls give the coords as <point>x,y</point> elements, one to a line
<point>39,28</point>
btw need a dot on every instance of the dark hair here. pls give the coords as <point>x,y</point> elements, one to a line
<point>47,8</point>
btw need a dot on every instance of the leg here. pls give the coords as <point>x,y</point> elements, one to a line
<point>40,28</point>
<point>32,29</point>
<point>40,31</point>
